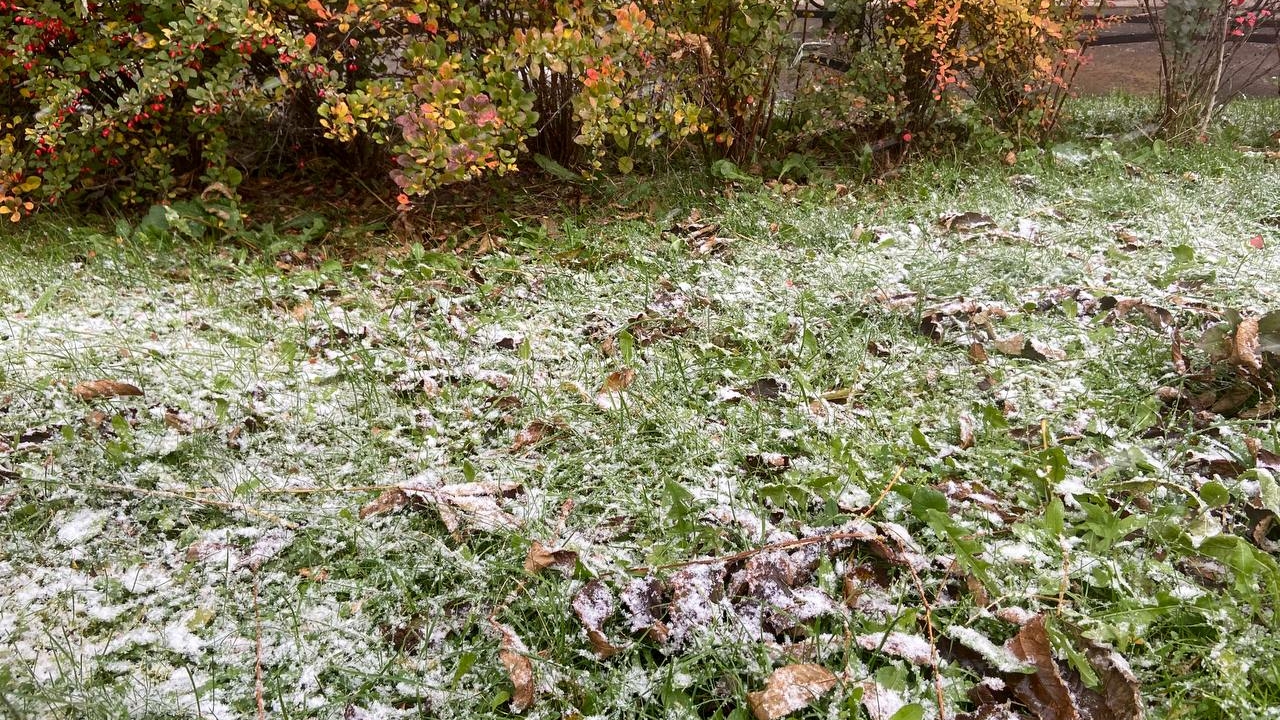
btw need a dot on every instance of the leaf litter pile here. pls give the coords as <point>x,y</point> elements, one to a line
<point>1007,464</point>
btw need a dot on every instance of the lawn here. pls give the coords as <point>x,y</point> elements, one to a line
<point>982,435</point>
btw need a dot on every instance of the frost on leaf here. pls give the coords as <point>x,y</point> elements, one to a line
<point>695,595</point>
<point>593,605</point>
<point>644,600</point>
<point>270,544</point>
<point>880,702</point>
<point>464,504</point>
<point>912,648</point>
<point>789,689</point>
<point>1118,697</point>
<point>95,389</point>
<point>514,657</point>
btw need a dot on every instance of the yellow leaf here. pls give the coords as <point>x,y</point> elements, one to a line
<point>31,183</point>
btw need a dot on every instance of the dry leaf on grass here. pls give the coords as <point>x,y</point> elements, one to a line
<point>534,433</point>
<point>1246,350</point>
<point>514,657</point>
<point>270,544</point>
<point>769,463</point>
<point>1044,691</point>
<point>789,689</point>
<point>966,221</point>
<point>618,380</point>
<point>912,648</point>
<point>1119,698</point>
<point>967,423</point>
<point>1018,345</point>
<point>474,503</point>
<point>95,389</point>
<point>541,557</point>
<point>593,605</point>
<point>611,395</point>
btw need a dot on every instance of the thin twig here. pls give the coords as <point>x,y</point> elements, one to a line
<point>933,646</point>
<point>784,545</point>
<point>257,654</point>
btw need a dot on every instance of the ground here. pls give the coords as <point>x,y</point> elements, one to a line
<point>979,435</point>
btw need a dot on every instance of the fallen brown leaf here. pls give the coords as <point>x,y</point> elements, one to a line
<point>472,503</point>
<point>1044,691</point>
<point>1120,697</point>
<point>967,423</point>
<point>1246,350</point>
<point>789,689</point>
<point>618,380</point>
<point>533,433</point>
<point>593,605</point>
<point>1011,345</point>
<point>95,389</point>
<point>966,221</point>
<point>520,671</point>
<point>541,557</point>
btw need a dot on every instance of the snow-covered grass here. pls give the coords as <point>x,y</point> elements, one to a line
<point>635,398</point>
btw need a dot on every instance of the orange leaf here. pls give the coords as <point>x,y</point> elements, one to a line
<point>318,9</point>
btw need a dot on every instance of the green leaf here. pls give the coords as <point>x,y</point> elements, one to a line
<point>1268,489</point>
<point>726,170</point>
<point>914,711</point>
<point>919,439</point>
<point>925,499</point>
<point>1215,494</point>
<point>1055,518</point>
<point>555,169</point>
<point>1269,332</point>
<point>967,548</point>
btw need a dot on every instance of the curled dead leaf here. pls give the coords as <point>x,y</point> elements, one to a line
<point>967,424</point>
<point>533,433</point>
<point>1044,691</point>
<point>474,504</point>
<point>618,380</point>
<point>513,656</point>
<point>541,557</point>
<point>1246,350</point>
<point>95,389</point>
<point>789,689</point>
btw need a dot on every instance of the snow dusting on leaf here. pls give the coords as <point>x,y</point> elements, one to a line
<point>789,689</point>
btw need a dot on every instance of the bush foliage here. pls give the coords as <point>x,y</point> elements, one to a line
<point>136,101</point>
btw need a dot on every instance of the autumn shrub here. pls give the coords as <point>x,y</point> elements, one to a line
<point>1199,41</point>
<point>1013,59</point>
<point>913,63</point>
<point>133,101</point>
<point>1023,57</point>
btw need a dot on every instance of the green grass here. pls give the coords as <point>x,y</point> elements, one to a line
<point>120,593</point>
